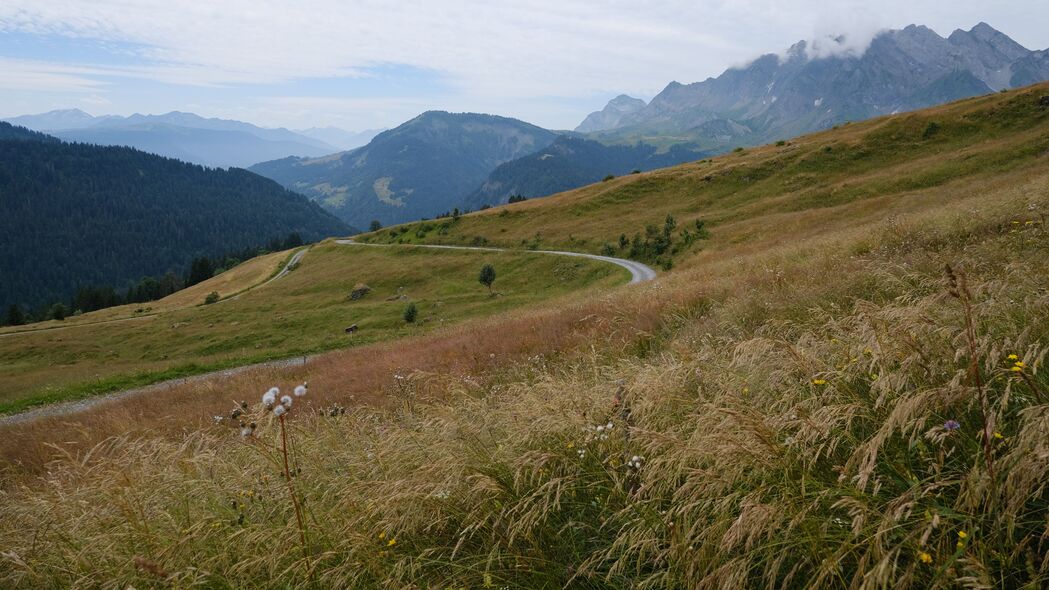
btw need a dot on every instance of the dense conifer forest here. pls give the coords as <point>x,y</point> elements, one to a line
<point>78,215</point>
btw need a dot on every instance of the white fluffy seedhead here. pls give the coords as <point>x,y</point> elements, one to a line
<point>300,390</point>
<point>279,410</point>
<point>286,401</point>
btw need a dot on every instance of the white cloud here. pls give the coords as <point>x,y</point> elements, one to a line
<point>490,54</point>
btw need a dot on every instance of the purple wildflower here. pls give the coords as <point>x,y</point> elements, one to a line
<point>951,425</point>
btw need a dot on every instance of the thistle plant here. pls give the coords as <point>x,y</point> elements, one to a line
<point>281,408</point>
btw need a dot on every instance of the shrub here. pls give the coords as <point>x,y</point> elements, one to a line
<point>487,276</point>
<point>410,313</point>
<point>931,129</point>
<point>212,297</point>
<point>375,225</point>
<point>607,178</point>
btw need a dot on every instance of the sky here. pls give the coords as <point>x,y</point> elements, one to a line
<point>364,64</point>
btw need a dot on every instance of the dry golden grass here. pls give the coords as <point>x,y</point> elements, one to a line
<point>790,395</point>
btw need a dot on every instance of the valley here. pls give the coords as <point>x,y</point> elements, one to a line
<point>783,327</point>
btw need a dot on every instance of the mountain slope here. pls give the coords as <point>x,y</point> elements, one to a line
<point>778,97</point>
<point>571,162</point>
<point>75,214</point>
<point>185,136</point>
<point>897,158</point>
<point>422,168</point>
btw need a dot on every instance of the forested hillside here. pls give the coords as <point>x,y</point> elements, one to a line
<point>572,162</point>
<point>422,168</point>
<point>74,214</point>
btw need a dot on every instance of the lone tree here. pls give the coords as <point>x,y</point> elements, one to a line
<point>487,276</point>
<point>376,225</point>
<point>410,313</point>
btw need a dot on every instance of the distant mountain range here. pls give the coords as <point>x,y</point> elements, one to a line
<point>185,136</point>
<point>73,215</point>
<point>781,96</point>
<point>422,168</point>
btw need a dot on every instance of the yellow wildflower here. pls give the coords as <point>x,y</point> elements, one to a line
<point>391,542</point>
<point>924,557</point>
<point>571,445</point>
<point>963,535</point>
<point>1019,364</point>
<point>819,381</point>
<point>998,435</point>
<point>1012,357</point>
<point>382,535</point>
<point>1016,369</point>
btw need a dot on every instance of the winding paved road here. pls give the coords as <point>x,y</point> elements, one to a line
<point>639,273</point>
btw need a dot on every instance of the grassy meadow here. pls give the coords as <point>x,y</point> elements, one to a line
<point>302,313</point>
<point>842,386</point>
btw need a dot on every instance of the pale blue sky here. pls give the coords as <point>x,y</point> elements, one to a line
<point>362,63</point>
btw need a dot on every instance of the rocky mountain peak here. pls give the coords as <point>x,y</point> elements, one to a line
<point>613,113</point>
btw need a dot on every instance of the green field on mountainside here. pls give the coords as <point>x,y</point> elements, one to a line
<point>302,313</point>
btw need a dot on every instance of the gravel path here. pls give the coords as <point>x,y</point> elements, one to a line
<point>639,272</point>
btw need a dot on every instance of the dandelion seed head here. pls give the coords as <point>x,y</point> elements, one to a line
<point>300,390</point>
<point>280,410</point>
<point>286,401</point>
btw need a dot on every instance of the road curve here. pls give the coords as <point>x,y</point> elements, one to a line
<point>639,273</point>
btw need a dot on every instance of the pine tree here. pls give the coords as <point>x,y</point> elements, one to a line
<point>15,317</point>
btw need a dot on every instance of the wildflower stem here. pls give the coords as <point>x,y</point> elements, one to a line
<point>294,498</point>
<point>959,289</point>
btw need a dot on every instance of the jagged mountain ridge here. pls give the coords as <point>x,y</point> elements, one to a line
<point>777,96</point>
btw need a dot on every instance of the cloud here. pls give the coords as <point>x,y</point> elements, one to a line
<point>35,76</point>
<point>487,55</point>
